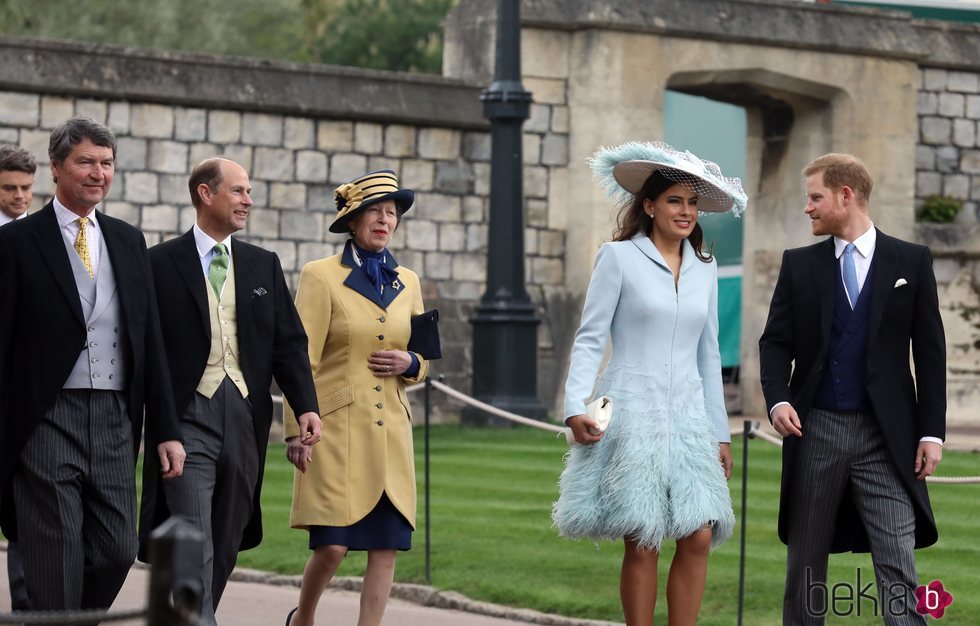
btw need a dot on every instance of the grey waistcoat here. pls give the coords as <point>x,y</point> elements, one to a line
<point>102,364</point>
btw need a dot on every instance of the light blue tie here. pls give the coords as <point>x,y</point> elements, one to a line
<point>850,274</point>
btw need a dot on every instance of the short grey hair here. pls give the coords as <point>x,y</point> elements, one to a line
<point>69,134</point>
<point>16,159</point>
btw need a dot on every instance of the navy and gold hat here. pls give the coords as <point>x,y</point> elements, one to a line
<point>366,190</point>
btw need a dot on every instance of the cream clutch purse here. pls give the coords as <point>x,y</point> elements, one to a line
<point>599,410</point>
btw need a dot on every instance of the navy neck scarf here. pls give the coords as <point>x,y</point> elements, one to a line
<point>373,264</point>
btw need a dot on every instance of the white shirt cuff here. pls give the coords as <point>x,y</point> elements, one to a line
<point>774,408</point>
<point>931,440</point>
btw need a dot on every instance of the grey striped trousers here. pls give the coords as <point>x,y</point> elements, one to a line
<point>841,450</point>
<point>75,495</point>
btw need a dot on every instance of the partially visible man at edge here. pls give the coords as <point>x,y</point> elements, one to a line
<point>17,168</point>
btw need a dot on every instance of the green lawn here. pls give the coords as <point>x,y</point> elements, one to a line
<point>492,538</point>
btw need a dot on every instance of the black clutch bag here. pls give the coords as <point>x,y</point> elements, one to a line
<point>425,335</point>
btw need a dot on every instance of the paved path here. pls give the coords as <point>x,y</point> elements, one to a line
<point>254,604</point>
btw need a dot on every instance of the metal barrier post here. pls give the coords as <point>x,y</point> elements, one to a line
<point>746,435</point>
<point>428,519</point>
<point>175,584</point>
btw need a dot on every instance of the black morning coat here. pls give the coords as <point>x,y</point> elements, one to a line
<point>42,333</point>
<point>271,343</point>
<point>904,315</point>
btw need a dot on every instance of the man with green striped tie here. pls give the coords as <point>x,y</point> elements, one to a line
<point>229,327</point>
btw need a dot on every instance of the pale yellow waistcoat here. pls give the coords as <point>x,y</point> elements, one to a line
<point>223,358</point>
<point>366,445</point>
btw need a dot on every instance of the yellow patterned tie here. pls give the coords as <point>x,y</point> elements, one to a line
<point>81,245</point>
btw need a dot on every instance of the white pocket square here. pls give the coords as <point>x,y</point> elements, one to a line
<point>900,282</point>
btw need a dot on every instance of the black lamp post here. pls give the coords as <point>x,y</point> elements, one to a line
<point>505,322</point>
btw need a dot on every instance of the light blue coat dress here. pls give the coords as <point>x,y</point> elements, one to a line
<point>656,473</point>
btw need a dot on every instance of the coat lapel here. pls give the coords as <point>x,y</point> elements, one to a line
<point>885,262</point>
<point>125,264</point>
<point>188,263</point>
<point>241,263</point>
<point>395,289</point>
<point>824,266</point>
<point>644,245</point>
<point>358,280</point>
<point>52,247</point>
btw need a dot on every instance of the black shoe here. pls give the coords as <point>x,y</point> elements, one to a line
<point>289,616</point>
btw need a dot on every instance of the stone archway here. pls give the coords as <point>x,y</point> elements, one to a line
<point>802,104</point>
<point>810,79</point>
<point>789,119</point>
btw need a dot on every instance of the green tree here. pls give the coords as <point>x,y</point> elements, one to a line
<point>380,34</point>
<point>250,27</point>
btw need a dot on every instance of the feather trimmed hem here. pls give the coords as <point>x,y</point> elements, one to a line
<point>653,476</point>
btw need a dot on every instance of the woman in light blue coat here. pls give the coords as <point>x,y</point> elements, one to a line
<point>660,468</point>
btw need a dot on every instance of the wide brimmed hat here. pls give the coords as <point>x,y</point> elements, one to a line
<point>622,170</point>
<point>366,190</point>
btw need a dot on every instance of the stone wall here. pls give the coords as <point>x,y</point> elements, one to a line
<point>814,78</point>
<point>948,163</point>
<point>296,160</point>
<point>948,150</point>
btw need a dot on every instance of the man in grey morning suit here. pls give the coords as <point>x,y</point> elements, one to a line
<point>230,327</point>
<point>81,357</point>
<point>17,168</point>
<point>860,434</point>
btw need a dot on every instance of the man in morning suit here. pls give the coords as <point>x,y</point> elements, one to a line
<point>81,358</point>
<point>861,434</point>
<point>230,326</point>
<point>17,168</point>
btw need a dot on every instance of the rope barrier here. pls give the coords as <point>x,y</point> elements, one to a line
<point>755,432</point>
<point>483,406</point>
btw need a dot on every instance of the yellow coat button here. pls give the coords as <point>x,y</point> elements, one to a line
<point>380,422</point>
<point>382,319</point>
<point>379,405</point>
<point>376,387</point>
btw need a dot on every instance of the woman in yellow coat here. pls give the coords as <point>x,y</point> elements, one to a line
<point>356,489</point>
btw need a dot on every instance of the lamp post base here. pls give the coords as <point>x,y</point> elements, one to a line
<point>505,357</point>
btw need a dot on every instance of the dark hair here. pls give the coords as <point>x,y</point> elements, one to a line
<point>16,159</point>
<point>633,219</point>
<point>69,134</point>
<point>208,172</point>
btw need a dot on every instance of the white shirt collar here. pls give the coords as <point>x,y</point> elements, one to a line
<point>4,219</point>
<point>66,216</point>
<point>865,244</point>
<point>205,244</point>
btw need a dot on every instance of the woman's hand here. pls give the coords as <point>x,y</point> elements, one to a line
<point>298,453</point>
<point>725,454</point>
<point>389,362</point>
<point>583,429</point>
